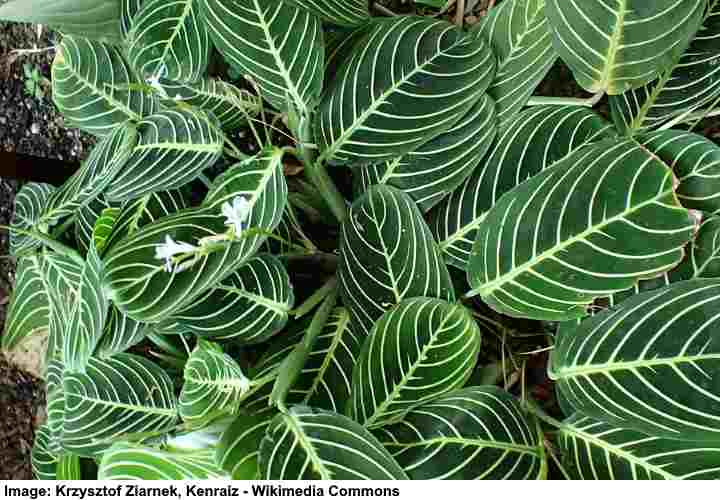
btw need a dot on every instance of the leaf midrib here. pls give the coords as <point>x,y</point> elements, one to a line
<point>508,277</point>
<point>154,410</point>
<point>295,427</point>
<point>605,368</point>
<point>614,46</point>
<point>480,443</point>
<point>340,328</point>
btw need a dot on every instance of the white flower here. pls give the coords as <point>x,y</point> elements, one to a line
<point>169,249</point>
<point>236,213</point>
<point>154,81</point>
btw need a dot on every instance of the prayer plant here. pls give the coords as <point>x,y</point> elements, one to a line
<point>429,210</point>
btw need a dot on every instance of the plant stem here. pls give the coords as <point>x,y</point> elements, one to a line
<point>315,298</point>
<point>316,173</point>
<point>46,240</point>
<point>566,101</point>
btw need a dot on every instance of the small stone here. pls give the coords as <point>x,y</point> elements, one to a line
<point>35,128</point>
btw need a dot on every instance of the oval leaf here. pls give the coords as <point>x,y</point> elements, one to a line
<point>530,142</point>
<point>130,462</point>
<point>411,79</point>
<point>432,171</point>
<point>27,313</point>
<point>651,364</point>
<point>585,228</point>
<point>471,433</point>
<point>44,462</point>
<point>254,37</point>
<point>617,46</point>
<point>339,12</point>
<point>306,443</point>
<point>417,351</point>
<point>239,448</point>
<point>387,254</point>
<point>115,399</point>
<point>173,148</point>
<point>92,87</point>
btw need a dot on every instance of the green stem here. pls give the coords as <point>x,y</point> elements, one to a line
<point>566,101</point>
<point>316,173</point>
<point>290,368</point>
<point>46,240</point>
<point>315,298</point>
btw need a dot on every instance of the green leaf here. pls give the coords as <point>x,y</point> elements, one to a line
<point>471,433</point>
<point>432,171</point>
<point>702,258</point>
<point>168,40</point>
<point>44,462</point>
<point>585,228</point>
<point>173,148</point>
<point>104,227</point>
<point>68,468</point>
<point>115,399</point>
<point>254,37</point>
<point>387,254</point>
<point>138,282</point>
<point>85,220</point>
<point>87,315</point>
<point>689,85</point>
<point>130,462</point>
<point>213,385</point>
<point>98,19</point>
<point>30,203</point>
<point>417,351</point>
<point>27,314</point>
<point>410,80</point>
<point>649,364</point>
<point>120,333</point>
<point>695,161</point>
<point>529,143</point>
<point>229,104</point>
<point>592,449</point>
<point>339,12</point>
<point>92,87</point>
<point>617,46</point>
<point>128,10</point>
<point>248,307</point>
<point>307,443</point>
<point>239,447</point>
<point>518,32</point>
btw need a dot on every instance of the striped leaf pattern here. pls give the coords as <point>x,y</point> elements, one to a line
<point>174,146</point>
<point>55,404</point>
<point>28,311</point>
<point>695,161</point>
<point>44,462</point>
<point>582,229</point>
<point>96,19</point>
<point>239,448</point>
<point>339,12</point>
<point>410,79</point>
<point>650,364</point>
<point>387,254</point>
<point>229,104</point>
<point>68,468</point>
<point>417,351</point>
<point>168,39</point>
<point>131,462</point>
<point>618,45</point>
<point>249,307</point>
<point>307,443</point>
<point>690,85</point>
<point>253,36</point>
<point>128,10</point>
<point>213,385</point>
<point>120,333</point>
<point>592,449</point>
<point>142,211</point>
<point>30,204</point>
<point>85,219</point>
<point>102,165</point>
<point>429,173</point>
<point>91,87</point>
<point>471,433</point>
<point>702,258</point>
<point>138,282</point>
<point>103,228</point>
<point>518,32</point>
<point>529,143</point>
<point>114,399</point>
<point>88,315</point>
